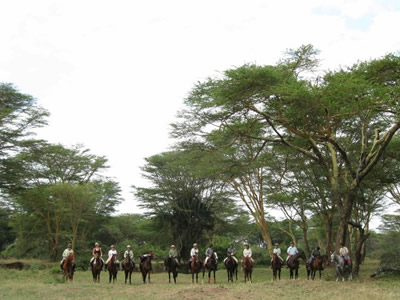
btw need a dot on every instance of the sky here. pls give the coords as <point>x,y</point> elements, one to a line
<point>114,74</point>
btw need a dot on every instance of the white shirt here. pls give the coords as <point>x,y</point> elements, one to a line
<point>67,252</point>
<point>112,252</point>
<point>292,250</point>
<point>277,251</point>
<point>344,251</point>
<point>194,252</point>
<point>247,252</point>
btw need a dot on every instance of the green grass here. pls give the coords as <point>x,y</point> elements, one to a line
<point>47,284</point>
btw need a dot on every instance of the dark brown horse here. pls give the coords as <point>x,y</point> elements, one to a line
<point>97,266</point>
<point>276,266</point>
<point>293,264</point>
<point>112,269</point>
<point>211,266</point>
<point>247,265</point>
<point>68,267</point>
<point>145,266</point>
<point>195,267</point>
<point>231,267</point>
<point>317,265</point>
<point>172,267</point>
<point>128,266</point>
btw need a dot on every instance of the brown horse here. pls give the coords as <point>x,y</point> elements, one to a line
<point>128,266</point>
<point>231,267</point>
<point>317,265</point>
<point>293,264</point>
<point>68,267</point>
<point>247,265</point>
<point>211,266</point>
<point>145,266</point>
<point>97,266</point>
<point>276,266</point>
<point>112,269</point>
<point>195,267</point>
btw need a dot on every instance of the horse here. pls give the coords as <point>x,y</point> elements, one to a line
<point>293,264</point>
<point>247,265</point>
<point>231,267</point>
<point>68,267</point>
<point>97,266</point>
<point>172,267</point>
<point>128,266</point>
<point>145,266</point>
<point>195,266</point>
<point>112,268</point>
<point>211,266</point>
<point>317,265</point>
<point>276,266</point>
<point>341,267</point>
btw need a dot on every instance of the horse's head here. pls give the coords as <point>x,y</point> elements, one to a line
<point>333,254</point>
<point>302,255</point>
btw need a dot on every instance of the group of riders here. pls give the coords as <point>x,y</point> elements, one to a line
<point>210,252</point>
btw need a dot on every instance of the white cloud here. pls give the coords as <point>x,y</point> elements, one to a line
<point>114,73</point>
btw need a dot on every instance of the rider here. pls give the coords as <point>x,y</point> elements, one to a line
<point>247,253</point>
<point>291,251</point>
<point>143,258</point>
<point>344,252</point>
<point>129,252</point>
<point>209,252</point>
<point>278,252</point>
<point>96,251</point>
<point>173,254</point>
<point>65,254</point>
<point>231,251</point>
<point>193,253</point>
<point>111,253</point>
<point>314,254</point>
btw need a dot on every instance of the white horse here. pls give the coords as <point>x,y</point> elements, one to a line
<point>341,268</point>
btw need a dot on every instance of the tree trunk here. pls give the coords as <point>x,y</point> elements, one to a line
<point>345,210</point>
<point>358,247</point>
<point>307,246</point>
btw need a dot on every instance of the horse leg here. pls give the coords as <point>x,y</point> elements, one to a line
<point>279,274</point>
<point>169,276</point>
<point>209,276</point>
<point>215,280</point>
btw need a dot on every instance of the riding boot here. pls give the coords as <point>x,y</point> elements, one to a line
<point>73,268</point>
<point>105,268</point>
<point>61,269</point>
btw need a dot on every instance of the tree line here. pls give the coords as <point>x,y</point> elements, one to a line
<point>320,148</point>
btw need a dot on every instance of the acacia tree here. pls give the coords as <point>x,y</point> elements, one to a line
<point>187,204</point>
<point>61,190</point>
<point>342,122</point>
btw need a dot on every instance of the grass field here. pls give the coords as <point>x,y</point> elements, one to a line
<point>36,283</point>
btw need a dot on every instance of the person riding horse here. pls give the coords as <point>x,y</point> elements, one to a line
<point>129,252</point>
<point>277,251</point>
<point>111,253</point>
<point>247,253</point>
<point>96,251</point>
<point>65,254</point>
<point>231,251</point>
<point>209,252</point>
<point>291,251</point>
<point>344,252</point>
<point>314,254</point>
<point>193,252</point>
<point>173,254</point>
